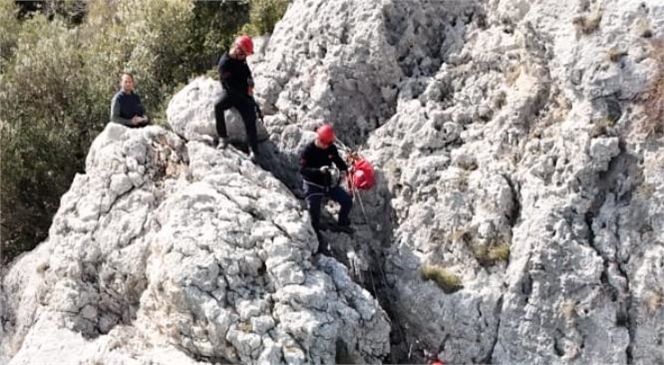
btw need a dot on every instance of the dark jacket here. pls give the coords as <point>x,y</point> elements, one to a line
<point>126,106</point>
<point>313,158</point>
<point>235,75</point>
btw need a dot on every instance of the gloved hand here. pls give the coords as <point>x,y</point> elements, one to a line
<point>327,176</point>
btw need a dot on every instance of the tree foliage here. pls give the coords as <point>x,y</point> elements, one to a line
<point>59,67</point>
<point>264,15</point>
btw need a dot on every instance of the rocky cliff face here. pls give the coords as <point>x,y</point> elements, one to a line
<point>517,216</point>
<point>164,252</point>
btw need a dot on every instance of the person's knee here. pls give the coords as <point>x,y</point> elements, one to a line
<point>314,208</point>
<point>223,103</point>
<point>247,111</point>
<point>313,201</point>
<point>347,202</point>
<point>219,103</point>
<point>249,120</point>
<point>344,198</point>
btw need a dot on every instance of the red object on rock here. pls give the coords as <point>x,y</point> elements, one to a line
<point>362,174</point>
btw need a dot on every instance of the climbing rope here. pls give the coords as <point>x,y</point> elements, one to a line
<point>356,194</point>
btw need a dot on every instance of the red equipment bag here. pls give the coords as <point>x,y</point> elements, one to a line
<point>362,175</point>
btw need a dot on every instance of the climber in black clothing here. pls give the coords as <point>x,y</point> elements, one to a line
<point>315,162</point>
<point>238,84</point>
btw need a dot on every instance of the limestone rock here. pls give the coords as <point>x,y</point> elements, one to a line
<point>516,217</point>
<point>207,259</point>
<point>191,113</point>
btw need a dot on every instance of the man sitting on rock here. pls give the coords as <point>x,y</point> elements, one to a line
<point>315,162</point>
<point>238,84</point>
<point>126,106</point>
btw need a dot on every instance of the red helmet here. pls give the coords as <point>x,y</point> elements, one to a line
<point>245,42</point>
<point>325,133</point>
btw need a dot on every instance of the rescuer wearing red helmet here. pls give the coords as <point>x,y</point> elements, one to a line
<point>315,162</point>
<point>238,84</point>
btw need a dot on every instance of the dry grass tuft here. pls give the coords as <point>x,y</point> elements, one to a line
<point>492,254</point>
<point>245,326</point>
<point>460,234</point>
<point>645,190</point>
<point>43,267</point>
<point>568,310</point>
<point>655,301</point>
<point>499,252</point>
<point>653,99</point>
<point>445,280</point>
<point>602,127</point>
<point>643,28</point>
<point>512,74</point>
<point>616,55</point>
<point>588,24</point>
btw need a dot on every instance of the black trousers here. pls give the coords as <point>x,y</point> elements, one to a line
<point>246,106</point>
<point>314,195</point>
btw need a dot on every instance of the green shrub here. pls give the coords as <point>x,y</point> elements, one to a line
<point>221,21</point>
<point>46,130</point>
<point>264,15</point>
<point>9,27</point>
<point>72,11</point>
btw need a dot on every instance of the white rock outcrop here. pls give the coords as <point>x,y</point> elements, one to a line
<point>516,218</point>
<point>495,125</point>
<point>191,114</point>
<point>164,252</point>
